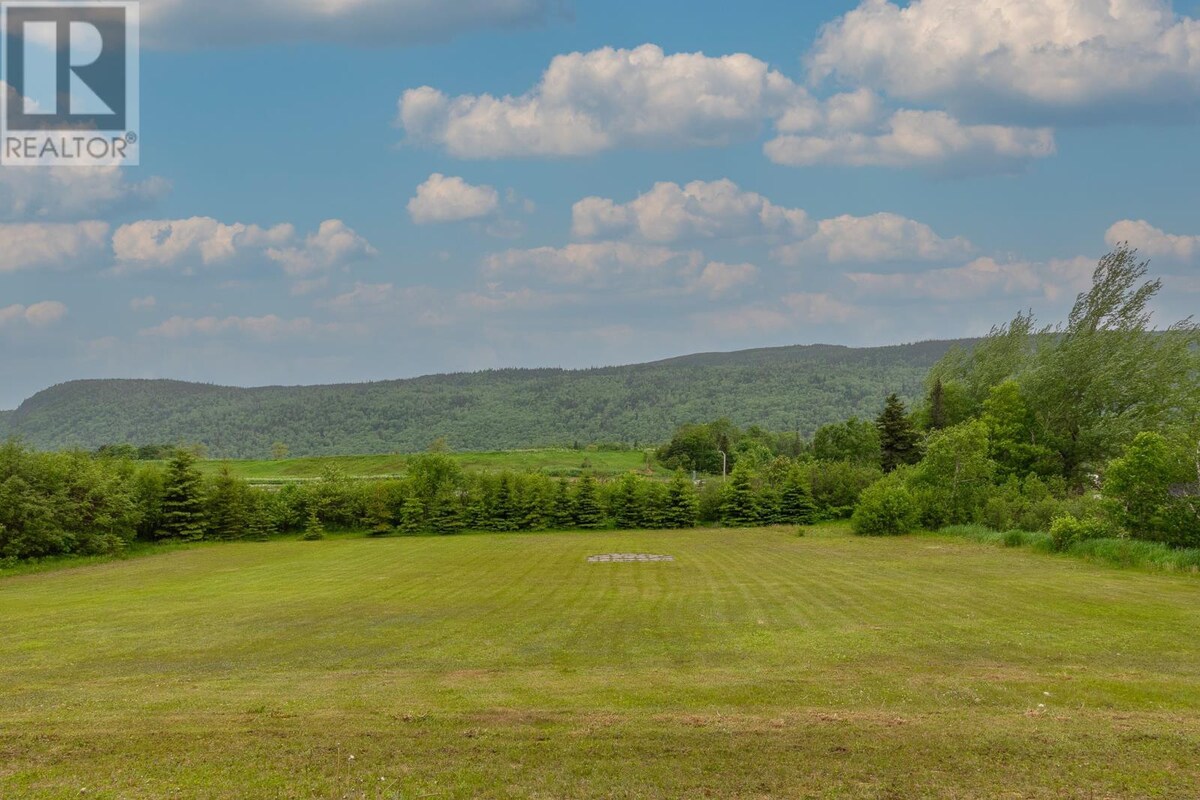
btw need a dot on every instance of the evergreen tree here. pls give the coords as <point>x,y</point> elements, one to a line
<point>228,517</point>
<point>937,405</point>
<point>183,500</point>
<point>796,504</point>
<point>739,506</point>
<point>627,509</point>
<point>412,515</point>
<point>445,513</point>
<point>378,516</point>
<point>502,511</point>
<point>682,505</point>
<point>562,514</point>
<point>898,438</point>
<point>588,513</point>
<point>654,505</point>
<point>314,530</point>
<point>261,521</point>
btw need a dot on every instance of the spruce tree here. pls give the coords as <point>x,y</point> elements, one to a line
<point>797,506</point>
<point>378,515</point>
<point>228,516</point>
<point>898,439</point>
<point>412,515</point>
<point>445,513</point>
<point>739,506</point>
<point>261,521</point>
<point>627,510</point>
<point>588,513</point>
<point>183,500</point>
<point>562,513</point>
<point>314,530</point>
<point>937,406</point>
<point>682,505</point>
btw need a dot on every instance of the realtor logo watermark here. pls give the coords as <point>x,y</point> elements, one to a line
<point>70,72</point>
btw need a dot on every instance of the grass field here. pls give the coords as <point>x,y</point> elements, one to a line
<point>557,462</point>
<point>758,664</point>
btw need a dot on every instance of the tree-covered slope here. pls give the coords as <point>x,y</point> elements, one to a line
<point>780,388</point>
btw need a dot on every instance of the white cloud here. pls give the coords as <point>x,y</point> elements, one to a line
<point>590,102</point>
<point>187,24</point>
<point>451,199</point>
<point>1152,241</point>
<point>72,193</point>
<point>38,315</point>
<point>269,327</point>
<point>670,212</point>
<point>875,238</point>
<point>203,241</point>
<point>333,245</point>
<point>33,244</point>
<point>718,279</point>
<point>991,56</point>
<point>143,303</point>
<point>982,278</point>
<point>927,139</point>
<point>593,264</point>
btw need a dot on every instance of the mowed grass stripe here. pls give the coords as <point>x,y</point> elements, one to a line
<point>759,663</point>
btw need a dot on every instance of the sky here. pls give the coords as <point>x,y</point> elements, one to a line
<point>352,190</point>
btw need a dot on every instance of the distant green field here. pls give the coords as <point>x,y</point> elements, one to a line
<point>555,462</point>
<point>757,664</point>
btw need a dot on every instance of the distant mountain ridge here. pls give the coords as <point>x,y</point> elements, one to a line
<point>782,388</point>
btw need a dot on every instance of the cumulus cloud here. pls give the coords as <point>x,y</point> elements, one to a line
<point>928,139</point>
<point>37,315</point>
<point>879,237</point>
<point>143,303</point>
<point>1049,57</point>
<point>203,241</point>
<point>593,264</point>
<point>670,212</point>
<point>451,199</point>
<point>1152,241</point>
<point>590,102</point>
<point>34,244</point>
<point>335,244</point>
<point>186,24</point>
<point>269,327</point>
<point>72,193</point>
<point>980,279</point>
<point>717,278</point>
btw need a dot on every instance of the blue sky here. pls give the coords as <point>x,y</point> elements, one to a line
<point>369,189</point>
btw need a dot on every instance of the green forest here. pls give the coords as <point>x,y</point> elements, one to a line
<point>1061,436</point>
<point>784,389</point>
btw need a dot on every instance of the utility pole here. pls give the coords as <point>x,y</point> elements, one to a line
<point>724,465</point>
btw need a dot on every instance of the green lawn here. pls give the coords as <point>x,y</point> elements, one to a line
<point>758,664</point>
<point>557,462</point>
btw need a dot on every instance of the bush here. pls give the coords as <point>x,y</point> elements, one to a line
<point>1069,530</point>
<point>887,508</point>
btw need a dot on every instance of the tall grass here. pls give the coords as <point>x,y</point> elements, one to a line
<point>1124,553</point>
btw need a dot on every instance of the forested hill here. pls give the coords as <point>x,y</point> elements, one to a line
<point>780,388</point>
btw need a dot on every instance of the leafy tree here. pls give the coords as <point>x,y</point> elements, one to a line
<point>1106,375</point>
<point>279,451</point>
<point>953,480</point>
<point>898,439</point>
<point>854,440</point>
<point>887,508</point>
<point>378,517</point>
<point>1012,434</point>
<point>183,500</point>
